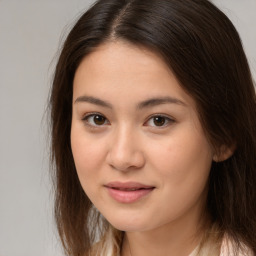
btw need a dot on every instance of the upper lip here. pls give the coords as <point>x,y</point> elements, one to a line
<point>127,185</point>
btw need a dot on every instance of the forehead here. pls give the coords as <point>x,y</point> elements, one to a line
<point>123,56</point>
<point>126,70</point>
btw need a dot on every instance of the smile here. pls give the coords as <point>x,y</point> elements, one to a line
<point>128,192</point>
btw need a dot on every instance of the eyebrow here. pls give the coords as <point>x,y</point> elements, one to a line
<point>144,104</point>
<point>94,101</point>
<point>159,101</point>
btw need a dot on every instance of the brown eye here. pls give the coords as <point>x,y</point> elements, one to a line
<point>159,120</point>
<point>99,120</point>
<point>95,120</point>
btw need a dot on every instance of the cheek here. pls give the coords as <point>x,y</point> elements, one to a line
<point>183,164</point>
<point>180,157</point>
<point>88,155</point>
<point>85,155</point>
<point>182,172</point>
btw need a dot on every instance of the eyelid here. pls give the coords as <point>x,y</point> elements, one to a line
<point>91,114</point>
<point>169,120</point>
<point>167,117</point>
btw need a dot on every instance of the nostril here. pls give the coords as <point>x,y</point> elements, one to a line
<point>124,155</point>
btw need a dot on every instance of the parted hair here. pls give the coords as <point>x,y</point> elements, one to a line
<point>204,51</point>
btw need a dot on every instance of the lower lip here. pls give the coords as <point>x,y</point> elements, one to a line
<point>124,196</point>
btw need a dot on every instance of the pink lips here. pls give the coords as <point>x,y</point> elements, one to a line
<point>128,192</point>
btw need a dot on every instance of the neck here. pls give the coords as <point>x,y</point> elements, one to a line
<point>179,239</point>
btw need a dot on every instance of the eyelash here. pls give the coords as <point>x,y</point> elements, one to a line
<point>89,115</point>
<point>167,120</point>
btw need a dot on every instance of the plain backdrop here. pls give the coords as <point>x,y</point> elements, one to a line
<point>31,32</point>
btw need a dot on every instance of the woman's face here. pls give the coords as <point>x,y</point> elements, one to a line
<point>139,149</point>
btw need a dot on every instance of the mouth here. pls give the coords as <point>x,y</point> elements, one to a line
<point>128,189</point>
<point>128,192</point>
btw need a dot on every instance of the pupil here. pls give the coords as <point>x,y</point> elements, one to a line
<point>99,120</point>
<point>159,121</point>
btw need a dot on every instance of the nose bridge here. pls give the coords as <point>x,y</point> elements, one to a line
<point>125,150</point>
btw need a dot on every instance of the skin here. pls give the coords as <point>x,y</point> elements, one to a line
<point>175,157</point>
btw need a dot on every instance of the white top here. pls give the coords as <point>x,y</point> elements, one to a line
<point>226,250</point>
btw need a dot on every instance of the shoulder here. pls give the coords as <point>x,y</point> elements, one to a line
<point>102,248</point>
<point>229,249</point>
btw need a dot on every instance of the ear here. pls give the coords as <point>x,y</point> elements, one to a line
<point>223,153</point>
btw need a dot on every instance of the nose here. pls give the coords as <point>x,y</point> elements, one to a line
<point>125,152</point>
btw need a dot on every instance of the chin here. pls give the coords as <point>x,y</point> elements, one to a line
<point>129,224</point>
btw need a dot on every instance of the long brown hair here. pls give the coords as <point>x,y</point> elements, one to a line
<point>203,49</point>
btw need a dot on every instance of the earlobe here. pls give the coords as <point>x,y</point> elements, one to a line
<point>224,153</point>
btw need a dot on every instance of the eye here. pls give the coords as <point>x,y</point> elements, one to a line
<point>95,119</point>
<point>159,121</point>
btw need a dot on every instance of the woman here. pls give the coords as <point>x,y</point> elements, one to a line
<point>154,132</point>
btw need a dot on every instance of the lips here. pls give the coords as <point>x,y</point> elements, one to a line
<point>128,192</point>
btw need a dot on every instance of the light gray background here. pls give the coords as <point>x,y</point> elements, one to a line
<point>30,35</point>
